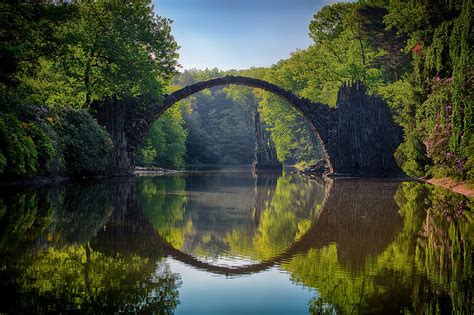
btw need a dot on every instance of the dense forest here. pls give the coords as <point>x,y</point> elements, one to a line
<point>57,60</point>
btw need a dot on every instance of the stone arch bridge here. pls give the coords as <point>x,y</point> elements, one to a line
<point>358,136</point>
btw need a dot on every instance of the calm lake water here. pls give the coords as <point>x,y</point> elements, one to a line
<point>227,242</point>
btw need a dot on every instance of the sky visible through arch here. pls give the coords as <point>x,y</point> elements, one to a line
<point>238,34</point>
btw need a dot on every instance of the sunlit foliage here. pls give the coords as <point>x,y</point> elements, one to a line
<point>165,145</point>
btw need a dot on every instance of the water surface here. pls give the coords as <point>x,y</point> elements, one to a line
<point>227,242</point>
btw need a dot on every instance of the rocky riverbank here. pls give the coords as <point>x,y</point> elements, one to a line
<point>319,170</point>
<point>313,170</point>
<point>140,171</point>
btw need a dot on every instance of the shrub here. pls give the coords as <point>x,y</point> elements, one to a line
<point>19,156</point>
<point>3,163</point>
<point>86,145</point>
<point>469,153</point>
<point>411,155</point>
<point>48,145</point>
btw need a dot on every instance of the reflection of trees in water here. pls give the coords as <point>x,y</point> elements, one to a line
<point>286,211</point>
<point>78,278</point>
<point>163,201</point>
<point>21,219</point>
<point>85,209</point>
<point>51,266</point>
<point>426,267</point>
<point>370,252</point>
<point>445,252</point>
<point>70,213</point>
<point>207,225</point>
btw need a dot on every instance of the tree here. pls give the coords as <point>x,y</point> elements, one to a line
<point>69,55</point>
<point>165,145</point>
<point>112,50</point>
<point>440,42</point>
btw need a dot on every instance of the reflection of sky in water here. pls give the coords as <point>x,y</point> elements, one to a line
<point>268,292</point>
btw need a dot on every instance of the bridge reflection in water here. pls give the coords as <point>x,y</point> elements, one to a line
<point>360,245</point>
<point>360,216</point>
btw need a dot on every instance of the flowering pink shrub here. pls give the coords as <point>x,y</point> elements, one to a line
<point>437,129</point>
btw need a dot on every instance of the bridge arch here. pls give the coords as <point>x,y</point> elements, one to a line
<point>305,107</point>
<point>358,136</point>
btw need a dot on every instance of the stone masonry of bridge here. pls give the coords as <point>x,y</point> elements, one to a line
<point>359,136</point>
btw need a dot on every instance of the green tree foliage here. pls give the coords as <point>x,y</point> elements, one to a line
<point>50,147</point>
<point>210,127</point>
<point>350,44</point>
<point>19,154</point>
<point>341,52</point>
<point>218,121</point>
<point>221,126</point>
<point>411,155</point>
<point>105,49</point>
<point>68,141</point>
<point>294,139</point>
<point>69,55</point>
<point>29,146</point>
<point>220,132</point>
<point>418,56</point>
<point>28,33</point>
<point>165,145</point>
<point>441,113</point>
<point>86,144</point>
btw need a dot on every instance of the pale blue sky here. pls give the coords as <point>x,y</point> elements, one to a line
<point>238,34</point>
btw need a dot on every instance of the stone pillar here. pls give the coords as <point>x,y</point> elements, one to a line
<point>365,136</point>
<point>127,121</point>
<point>112,115</point>
<point>265,150</point>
